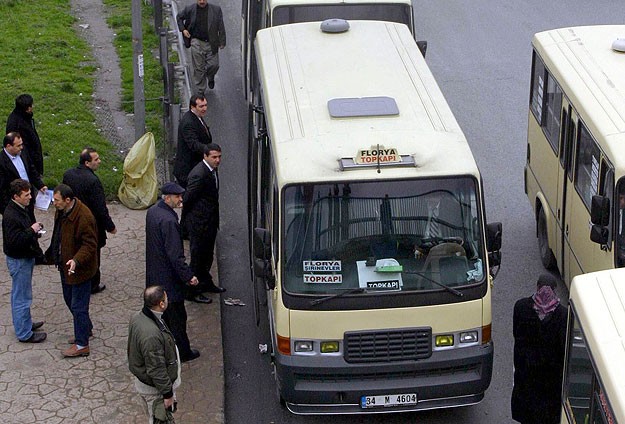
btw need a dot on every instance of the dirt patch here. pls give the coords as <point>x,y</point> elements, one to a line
<point>116,125</point>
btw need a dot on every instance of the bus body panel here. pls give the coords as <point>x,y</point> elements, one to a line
<point>331,385</point>
<point>258,14</point>
<point>588,73</point>
<point>330,325</point>
<point>594,381</point>
<point>302,112</point>
<point>302,145</point>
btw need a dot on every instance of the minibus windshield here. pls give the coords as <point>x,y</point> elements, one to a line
<point>382,236</point>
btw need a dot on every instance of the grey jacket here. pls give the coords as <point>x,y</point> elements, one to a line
<point>187,18</point>
<point>152,354</point>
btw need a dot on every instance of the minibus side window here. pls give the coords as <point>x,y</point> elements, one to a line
<point>579,375</point>
<point>538,87</point>
<point>553,106</point>
<point>619,229</point>
<point>587,166</point>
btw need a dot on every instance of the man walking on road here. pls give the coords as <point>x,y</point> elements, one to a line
<point>165,263</point>
<point>87,187</point>
<point>20,233</point>
<point>202,203</point>
<point>203,25</point>
<point>21,120</point>
<point>73,250</point>
<point>152,355</point>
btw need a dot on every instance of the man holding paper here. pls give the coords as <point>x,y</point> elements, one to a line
<point>16,164</point>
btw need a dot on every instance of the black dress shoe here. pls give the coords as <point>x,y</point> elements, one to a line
<point>214,289</point>
<point>37,325</point>
<point>200,298</point>
<point>211,84</point>
<point>194,354</point>
<point>98,289</point>
<point>35,338</point>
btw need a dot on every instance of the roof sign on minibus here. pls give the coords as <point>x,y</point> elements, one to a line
<point>377,154</point>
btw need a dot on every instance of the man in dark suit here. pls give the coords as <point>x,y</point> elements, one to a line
<point>21,121</point>
<point>14,164</point>
<point>203,25</point>
<point>201,199</point>
<point>193,135</point>
<point>88,188</point>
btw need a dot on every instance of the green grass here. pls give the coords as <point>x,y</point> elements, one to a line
<point>119,20</point>
<point>41,54</point>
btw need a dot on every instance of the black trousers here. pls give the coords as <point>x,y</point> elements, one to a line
<point>175,316</point>
<point>95,281</point>
<point>202,246</point>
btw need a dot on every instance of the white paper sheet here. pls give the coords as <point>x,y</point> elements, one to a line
<point>43,200</point>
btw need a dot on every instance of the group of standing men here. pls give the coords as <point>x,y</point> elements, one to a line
<point>169,279</point>
<point>197,193</point>
<point>80,225</point>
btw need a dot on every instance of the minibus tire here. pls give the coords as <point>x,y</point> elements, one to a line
<point>546,255</point>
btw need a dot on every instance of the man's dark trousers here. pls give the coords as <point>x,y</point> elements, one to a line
<point>77,297</point>
<point>202,246</point>
<point>175,316</point>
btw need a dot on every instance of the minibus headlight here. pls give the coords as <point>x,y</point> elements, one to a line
<point>329,346</point>
<point>468,337</point>
<point>444,340</point>
<point>303,346</point>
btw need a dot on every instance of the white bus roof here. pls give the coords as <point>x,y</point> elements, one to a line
<point>302,68</point>
<point>592,76</point>
<point>599,301</point>
<point>278,3</point>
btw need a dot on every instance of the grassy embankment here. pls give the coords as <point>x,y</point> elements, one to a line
<point>42,54</point>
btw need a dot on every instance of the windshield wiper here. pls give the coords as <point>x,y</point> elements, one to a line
<point>449,289</point>
<point>334,296</point>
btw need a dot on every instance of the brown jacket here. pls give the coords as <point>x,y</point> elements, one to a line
<point>79,241</point>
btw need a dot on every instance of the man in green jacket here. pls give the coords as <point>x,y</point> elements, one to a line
<point>153,356</point>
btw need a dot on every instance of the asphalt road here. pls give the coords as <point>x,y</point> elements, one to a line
<point>480,55</point>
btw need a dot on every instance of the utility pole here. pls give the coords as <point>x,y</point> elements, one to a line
<point>137,69</point>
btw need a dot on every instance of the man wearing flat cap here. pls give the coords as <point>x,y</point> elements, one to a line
<point>166,265</point>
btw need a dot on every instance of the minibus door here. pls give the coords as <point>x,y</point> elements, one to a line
<point>566,190</point>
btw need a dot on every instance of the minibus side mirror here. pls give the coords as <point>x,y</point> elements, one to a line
<point>493,236</point>
<point>493,245</point>
<point>262,257</point>
<point>600,211</point>
<point>423,46</point>
<point>599,234</point>
<point>262,243</point>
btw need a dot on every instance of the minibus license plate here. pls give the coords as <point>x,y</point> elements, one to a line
<point>388,400</point>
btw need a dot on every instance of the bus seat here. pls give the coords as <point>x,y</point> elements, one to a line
<point>444,251</point>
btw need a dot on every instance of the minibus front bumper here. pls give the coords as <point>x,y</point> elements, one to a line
<point>329,385</point>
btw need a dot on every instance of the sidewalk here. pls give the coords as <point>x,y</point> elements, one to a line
<point>39,386</point>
